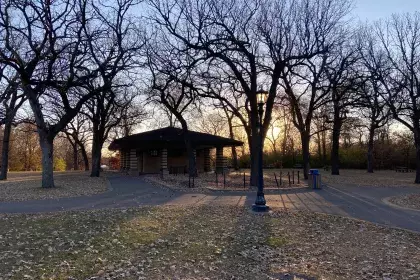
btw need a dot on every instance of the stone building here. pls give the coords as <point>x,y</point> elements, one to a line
<point>163,151</point>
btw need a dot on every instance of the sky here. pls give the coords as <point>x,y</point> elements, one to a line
<point>375,9</point>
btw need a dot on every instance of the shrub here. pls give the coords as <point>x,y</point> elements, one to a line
<point>59,164</point>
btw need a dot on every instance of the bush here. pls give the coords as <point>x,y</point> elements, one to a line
<point>59,164</point>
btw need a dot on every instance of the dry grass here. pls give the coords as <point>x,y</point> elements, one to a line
<point>202,243</point>
<point>409,201</point>
<point>382,178</point>
<point>27,186</point>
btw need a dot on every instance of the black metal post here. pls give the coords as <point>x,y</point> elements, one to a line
<point>260,203</point>
<point>298,177</point>
<point>288,174</point>
<point>281,178</point>
<point>244,181</point>
<point>217,182</point>
<point>224,179</point>
<point>275,177</point>
<point>293,177</point>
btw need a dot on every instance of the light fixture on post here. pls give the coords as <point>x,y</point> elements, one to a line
<point>260,203</point>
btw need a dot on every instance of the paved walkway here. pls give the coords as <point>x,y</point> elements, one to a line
<point>357,202</point>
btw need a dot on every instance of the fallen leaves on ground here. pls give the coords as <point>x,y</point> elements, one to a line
<point>231,181</point>
<point>202,243</point>
<point>409,201</point>
<point>380,178</point>
<point>71,184</point>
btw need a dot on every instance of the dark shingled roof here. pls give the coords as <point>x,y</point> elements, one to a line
<point>171,137</point>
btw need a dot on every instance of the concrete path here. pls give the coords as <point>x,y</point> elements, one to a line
<point>358,202</point>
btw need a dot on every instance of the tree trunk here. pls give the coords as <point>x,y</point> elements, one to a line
<point>305,137</point>
<point>192,169</point>
<point>96,154</point>
<point>47,147</point>
<point>324,147</point>
<point>192,166</point>
<point>416,132</point>
<point>235,159</point>
<point>84,154</point>
<point>417,181</point>
<point>75,157</point>
<point>284,141</point>
<point>335,157</point>
<point>5,149</point>
<point>234,153</point>
<point>318,142</point>
<point>370,149</point>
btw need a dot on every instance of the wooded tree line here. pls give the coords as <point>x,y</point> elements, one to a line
<point>101,65</point>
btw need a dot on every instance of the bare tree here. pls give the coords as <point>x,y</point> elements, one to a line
<point>395,56</point>
<point>44,43</point>
<point>115,55</point>
<point>250,44</point>
<point>372,92</point>
<point>343,83</point>
<point>132,116</point>
<point>106,111</point>
<point>172,86</point>
<point>77,133</point>
<point>11,100</point>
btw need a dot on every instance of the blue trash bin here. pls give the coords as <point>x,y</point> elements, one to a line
<point>314,179</point>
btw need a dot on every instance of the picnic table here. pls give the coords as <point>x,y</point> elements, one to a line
<point>403,169</point>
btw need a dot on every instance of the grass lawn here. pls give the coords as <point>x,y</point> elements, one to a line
<point>408,201</point>
<point>27,186</point>
<point>202,243</point>
<point>380,178</point>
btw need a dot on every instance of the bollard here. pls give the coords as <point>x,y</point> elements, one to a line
<point>193,185</point>
<point>288,175</point>
<point>298,177</point>
<point>224,179</point>
<point>275,177</point>
<point>293,177</point>
<point>217,181</point>
<point>281,177</point>
<point>244,180</point>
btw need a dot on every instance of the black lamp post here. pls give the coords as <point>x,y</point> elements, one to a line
<point>260,204</point>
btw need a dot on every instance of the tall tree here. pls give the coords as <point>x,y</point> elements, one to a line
<point>374,64</point>
<point>172,86</point>
<point>342,82</point>
<point>44,42</point>
<point>11,100</point>
<point>106,111</point>
<point>398,41</point>
<point>115,54</point>
<point>77,133</point>
<point>250,44</point>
